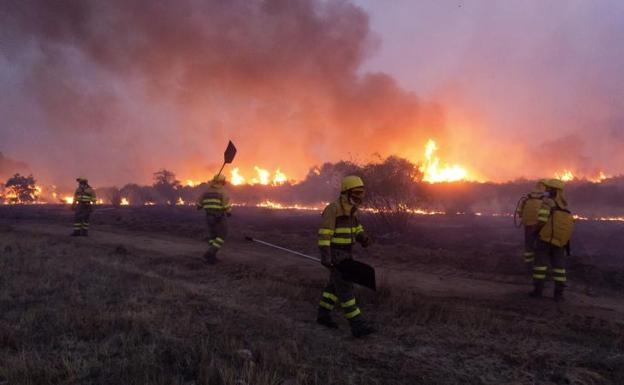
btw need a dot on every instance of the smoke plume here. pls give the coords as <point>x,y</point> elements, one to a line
<point>117,89</point>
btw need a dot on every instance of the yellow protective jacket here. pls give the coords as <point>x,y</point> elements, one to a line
<point>84,196</point>
<point>340,228</point>
<point>215,201</point>
<point>529,208</point>
<point>557,223</point>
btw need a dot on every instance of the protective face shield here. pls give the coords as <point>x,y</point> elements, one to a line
<point>550,193</point>
<point>356,196</point>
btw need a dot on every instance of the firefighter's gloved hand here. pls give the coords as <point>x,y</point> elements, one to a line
<point>364,240</point>
<point>326,258</point>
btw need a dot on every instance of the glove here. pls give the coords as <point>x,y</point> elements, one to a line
<point>326,258</point>
<point>364,240</point>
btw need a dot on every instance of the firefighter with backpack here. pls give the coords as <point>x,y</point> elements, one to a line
<point>527,211</point>
<point>556,225</point>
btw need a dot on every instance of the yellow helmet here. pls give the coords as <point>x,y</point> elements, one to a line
<point>554,183</point>
<point>82,179</point>
<point>218,179</point>
<point>350,182</point>
<point>540,186</point>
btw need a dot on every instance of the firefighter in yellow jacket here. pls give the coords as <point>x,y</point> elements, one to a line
<point>84,199</point>
<point>556,225</point>
<point>527,210</point>
<point>340,229</point>
<point>216,203</point>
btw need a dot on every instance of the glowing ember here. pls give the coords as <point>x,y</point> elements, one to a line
<point>124,202</point>
<point>180,201</point>
<point>149,204</point>
<point>434,173</point>
<point>235,178</point>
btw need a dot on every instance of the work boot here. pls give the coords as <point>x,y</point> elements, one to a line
<point>76,233</point>
<point>327,321</point>
<point>538,288</point>
<point>360,329</point>
<point>559,292</point>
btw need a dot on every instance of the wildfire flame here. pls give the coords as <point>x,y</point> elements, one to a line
<point>565,175</point>
<point>236,178</point>
<point>601,176</point>
<point>279,178</point>
<point>68,199</point>
<point>124,202</point>
<point>434,173</point>
<point>262,177</point>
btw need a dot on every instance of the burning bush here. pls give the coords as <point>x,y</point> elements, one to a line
<point>21,189</point>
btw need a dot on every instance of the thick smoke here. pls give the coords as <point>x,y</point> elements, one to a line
<point>532,86</point>
<point>118,89</point>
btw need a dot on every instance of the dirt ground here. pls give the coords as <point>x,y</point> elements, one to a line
<point>134,304</point>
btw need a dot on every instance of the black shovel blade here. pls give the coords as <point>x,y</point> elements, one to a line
<point>358,272</point>
<point>230,153</point>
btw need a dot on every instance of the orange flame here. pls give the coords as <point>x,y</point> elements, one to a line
<point>125,202</point>
<point>434,173</point>
<point>262,177</point>
<point>565,175</point>
<point>279,178</point>
<point>236,178</point>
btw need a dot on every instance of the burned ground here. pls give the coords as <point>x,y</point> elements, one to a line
<point>134,304</point>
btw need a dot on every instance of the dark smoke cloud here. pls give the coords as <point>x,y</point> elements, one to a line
<point>117,89</point>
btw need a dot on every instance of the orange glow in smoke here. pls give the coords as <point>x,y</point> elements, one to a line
<point>124,202</point>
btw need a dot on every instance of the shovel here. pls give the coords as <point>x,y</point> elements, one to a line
<point>351,270</point>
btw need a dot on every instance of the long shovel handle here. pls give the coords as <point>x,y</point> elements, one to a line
<point>311,258</point>
<point>221,169</point>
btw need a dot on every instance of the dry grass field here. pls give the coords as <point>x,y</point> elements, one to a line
<point>134,304</point>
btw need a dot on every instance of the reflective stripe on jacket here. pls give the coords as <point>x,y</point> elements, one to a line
<point>215,200</point>
<point>84,195</point>
<point>339,228</point>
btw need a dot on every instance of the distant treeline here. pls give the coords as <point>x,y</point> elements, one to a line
<point>393,185</point>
